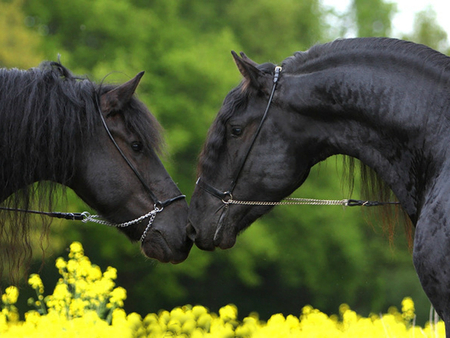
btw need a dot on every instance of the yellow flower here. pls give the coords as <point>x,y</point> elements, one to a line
<point>408,309</point>
<point>86,303</point>
<point>118,317</point>
<point>76,250</point>
<point>228,312</point>
<point>118,295</point>
<point>95,273</point>
<point>61,292</point>
<point>77,307</point>
<point>36,283</point>
<point>110,273</point>
<point>10,296</point>
<point>72,266</point>
<point>60,264</point>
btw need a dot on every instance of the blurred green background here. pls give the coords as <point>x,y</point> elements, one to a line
<point>294,256</point>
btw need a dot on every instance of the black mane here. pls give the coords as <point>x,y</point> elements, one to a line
<point>47,116</point>
<point>371,50</point>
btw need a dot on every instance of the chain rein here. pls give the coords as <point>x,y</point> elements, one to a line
<point>87,217</point>
<point>290,201</point>
<point>308,201</point>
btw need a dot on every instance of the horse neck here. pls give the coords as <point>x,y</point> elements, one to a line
<point>392,120</point>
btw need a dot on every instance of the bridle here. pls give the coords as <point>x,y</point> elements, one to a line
<point>158,205</point>
<point>227,196</point>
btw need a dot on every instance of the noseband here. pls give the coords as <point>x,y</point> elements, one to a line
<point>158,205</point>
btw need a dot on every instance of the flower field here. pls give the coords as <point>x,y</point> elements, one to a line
<point>86,303</point>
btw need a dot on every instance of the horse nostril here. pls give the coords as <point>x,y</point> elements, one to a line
<point>190,231</point>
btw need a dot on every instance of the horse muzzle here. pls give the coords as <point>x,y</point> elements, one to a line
<point>218,234</point>
<point>157,247</point>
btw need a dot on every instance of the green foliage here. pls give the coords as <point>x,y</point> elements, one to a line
<point>373,17</point>
<point>19,45</point>
<point>291,257</point>
<point>428,32</point>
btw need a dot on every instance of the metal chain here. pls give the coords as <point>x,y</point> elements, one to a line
<point>290,201</point>
<point>150,223</point>
<point>97,219</point>
<point>311,201</point>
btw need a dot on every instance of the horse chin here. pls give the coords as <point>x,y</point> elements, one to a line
<point>224,237</point>
<point>157,247</point>
<point>226,242</point>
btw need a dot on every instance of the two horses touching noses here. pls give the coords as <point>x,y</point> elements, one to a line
<point>385,102</point>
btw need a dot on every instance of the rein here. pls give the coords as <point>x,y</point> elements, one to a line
<point>227,198</point>
<point>311,201</point>
<point>85,216</point>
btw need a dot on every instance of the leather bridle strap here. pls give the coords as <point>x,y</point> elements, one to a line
<point>222,195</point>
<point>227,195</point>
<point>274,87</point>
<point>156,201</point>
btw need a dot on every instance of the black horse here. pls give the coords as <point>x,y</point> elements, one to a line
<point>383,101</point>
<point>99,140</point>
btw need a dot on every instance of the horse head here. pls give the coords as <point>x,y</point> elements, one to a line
<point>247,157</point>
<point>121,176</point>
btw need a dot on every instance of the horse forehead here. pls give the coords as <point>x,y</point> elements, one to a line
<point>249,107</point>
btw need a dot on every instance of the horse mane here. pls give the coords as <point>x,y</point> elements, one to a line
<point>341,51</point>
<point>47,116</point>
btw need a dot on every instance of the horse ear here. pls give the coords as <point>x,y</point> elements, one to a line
<point>117,98</point>
<point>248,60</point>
<point>248,69</point>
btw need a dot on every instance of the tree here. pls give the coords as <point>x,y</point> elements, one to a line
<point>373,17</point>
<point>19,43</point>
<point>428,32</point>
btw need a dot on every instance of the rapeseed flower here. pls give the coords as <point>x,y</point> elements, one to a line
<point>86,303</point>
<point>10,296</point>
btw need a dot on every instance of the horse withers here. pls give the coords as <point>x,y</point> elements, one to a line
<point>382,101</point>
<point>99,140</point>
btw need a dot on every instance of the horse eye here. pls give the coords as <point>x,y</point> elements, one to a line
<point>236,131</point>
<point>136,146</point>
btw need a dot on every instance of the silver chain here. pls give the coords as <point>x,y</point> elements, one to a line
<point>150,222</point>
<point>97,219</point>
<point>290,201</point>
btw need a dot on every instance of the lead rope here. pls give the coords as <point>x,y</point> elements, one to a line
<point>86,217</point>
